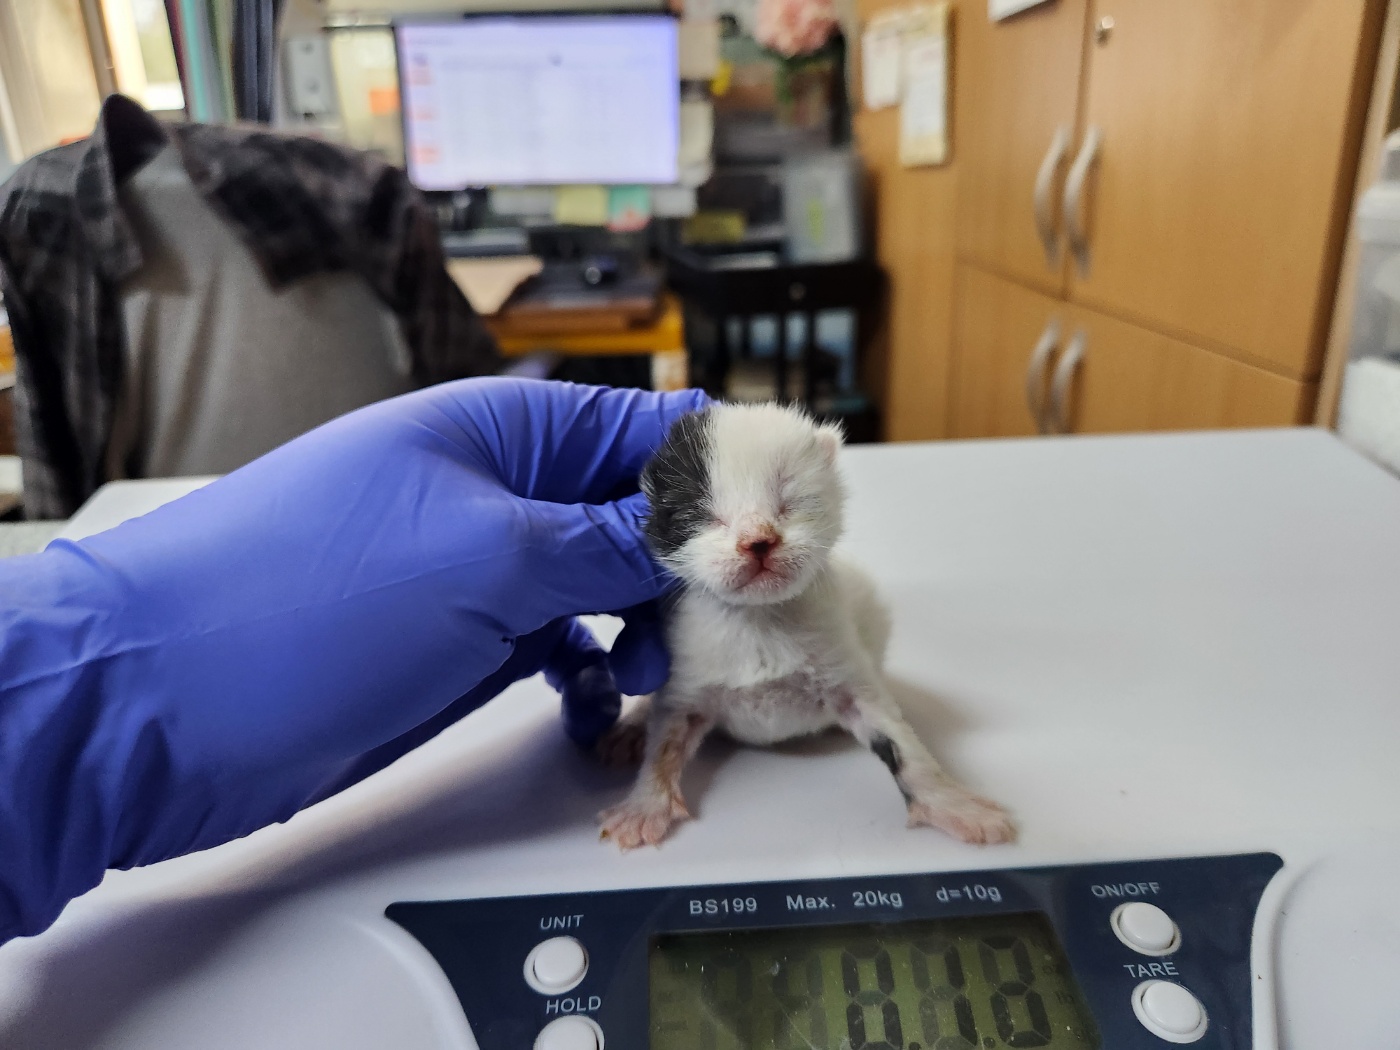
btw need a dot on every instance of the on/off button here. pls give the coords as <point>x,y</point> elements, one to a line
<point>556,965</point>
<point>1145,928</point>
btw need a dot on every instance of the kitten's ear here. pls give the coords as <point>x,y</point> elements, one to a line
<point>829,440</point>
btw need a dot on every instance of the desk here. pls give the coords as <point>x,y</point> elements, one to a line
<point>1146,646</point>
<point>663,338</point>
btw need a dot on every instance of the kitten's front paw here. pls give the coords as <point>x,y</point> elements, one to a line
<point>623,744</point>
<point>963,815</point>
<point>641,822</point>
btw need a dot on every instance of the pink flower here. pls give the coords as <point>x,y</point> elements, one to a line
<point>795,27</point>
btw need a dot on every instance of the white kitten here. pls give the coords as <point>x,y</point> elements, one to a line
<point>772,636</point>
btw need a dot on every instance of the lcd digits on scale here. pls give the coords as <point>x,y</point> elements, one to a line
<point>945,984</point>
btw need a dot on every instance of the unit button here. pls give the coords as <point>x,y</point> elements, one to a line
<point>1145,928</point>
<point>1169,1011</point>
<point>570,1033</point>
<point>556,965</point>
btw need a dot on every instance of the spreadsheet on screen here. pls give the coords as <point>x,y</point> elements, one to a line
<point>540,100</point>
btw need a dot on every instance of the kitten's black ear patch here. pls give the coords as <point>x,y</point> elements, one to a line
<point>677,482</point>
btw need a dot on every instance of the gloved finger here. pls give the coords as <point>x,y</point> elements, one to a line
<point>577,648</point>
<point>578,671</point>
<point>639,659</point>
<point>583,559</point>
<point>528,657</point>
<point>586,444</point>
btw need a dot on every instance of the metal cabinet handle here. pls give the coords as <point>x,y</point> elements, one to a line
<point>1064,379</point>
<point>1035,374</point>
<point>1045,194</point>
<point>1074,197</point>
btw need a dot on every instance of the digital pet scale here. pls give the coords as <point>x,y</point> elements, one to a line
<point>962,961</point>
<point>1173,658</point>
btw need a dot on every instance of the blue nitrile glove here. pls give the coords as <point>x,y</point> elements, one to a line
<point>216,665</point>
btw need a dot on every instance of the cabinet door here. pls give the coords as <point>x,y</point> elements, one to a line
<point>1228,138</point>
<point>999,325</point>
<point>1017,86</point>
<point>1130,379</point>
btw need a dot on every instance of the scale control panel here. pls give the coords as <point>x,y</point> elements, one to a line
<point>1082,957</point>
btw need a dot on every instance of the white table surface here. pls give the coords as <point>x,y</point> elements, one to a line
<point>114,503</point>
<point>1145,646</point>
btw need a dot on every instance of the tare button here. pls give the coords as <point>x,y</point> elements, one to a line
<point>1145,928</point>
<point>556,965</point>
<point>1169,1011</point>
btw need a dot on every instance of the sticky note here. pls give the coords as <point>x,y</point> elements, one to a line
<point>629,208</point>
<point>581,205</point>
<point>383,101</point>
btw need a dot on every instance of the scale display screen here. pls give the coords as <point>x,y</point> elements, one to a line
<point>978,983</point>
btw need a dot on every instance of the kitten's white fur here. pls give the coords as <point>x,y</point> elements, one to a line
<point>783,645</point>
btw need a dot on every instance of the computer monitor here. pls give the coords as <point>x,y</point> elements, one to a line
<point>494,100</point>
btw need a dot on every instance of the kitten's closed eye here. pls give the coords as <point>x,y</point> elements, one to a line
<point>752,501</point>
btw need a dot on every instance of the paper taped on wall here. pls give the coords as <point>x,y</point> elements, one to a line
<point>882,63</point>
<point>923,116</point>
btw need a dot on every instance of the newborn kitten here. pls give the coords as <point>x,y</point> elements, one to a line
<point>772,636</point>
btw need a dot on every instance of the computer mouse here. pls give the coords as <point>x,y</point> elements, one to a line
<point>599,270</point>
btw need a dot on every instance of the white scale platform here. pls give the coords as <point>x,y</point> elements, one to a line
<point>1145,646</point>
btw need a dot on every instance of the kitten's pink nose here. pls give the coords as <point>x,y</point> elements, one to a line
<point>760,545</point>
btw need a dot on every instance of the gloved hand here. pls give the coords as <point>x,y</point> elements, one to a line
<point>216,665</point>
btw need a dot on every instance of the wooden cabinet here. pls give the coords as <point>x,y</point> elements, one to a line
<point>1016,99</point>
<point>1129,378</point>
<point>1031,363</point>
<point>1191,227</point>
<point>1229,137</point>
<point>999,324</point>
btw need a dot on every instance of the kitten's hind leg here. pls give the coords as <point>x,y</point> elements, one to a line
<point>933,797</point>
<point>625,743</point>
<point>655,802</point>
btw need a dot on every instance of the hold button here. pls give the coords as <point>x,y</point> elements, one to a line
<point>570,1033</point>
